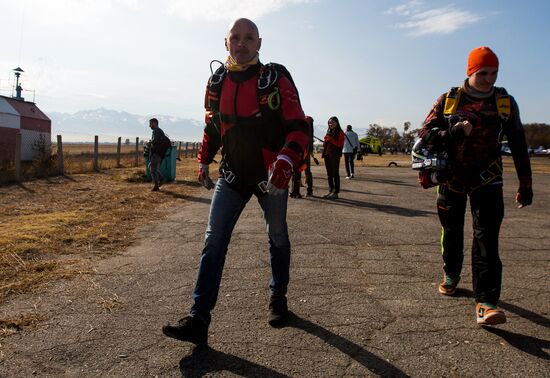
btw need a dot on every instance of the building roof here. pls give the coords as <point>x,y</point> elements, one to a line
<point>25,108</point>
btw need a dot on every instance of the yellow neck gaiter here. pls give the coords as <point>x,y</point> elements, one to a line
<point>235,67</point>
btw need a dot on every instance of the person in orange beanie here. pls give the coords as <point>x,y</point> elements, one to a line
<point>467,124</point>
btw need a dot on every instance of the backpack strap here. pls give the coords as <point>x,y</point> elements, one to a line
<point>503,103</point>
<point>268,91</point>
<point>269,97</point>
<point>212,100</point>
<point>502,99</point>
<point>451,101</point>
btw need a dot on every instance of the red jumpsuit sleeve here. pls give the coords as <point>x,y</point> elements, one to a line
<point>294,123</point>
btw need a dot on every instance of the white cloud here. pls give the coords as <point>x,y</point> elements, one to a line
<point>443,20</point>
<point>219,10</point>
<point>63,11</point>
<point>70,11</point>
<point>405,9</point>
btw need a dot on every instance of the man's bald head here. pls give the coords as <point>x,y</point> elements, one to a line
<point>243,41</point>
<point>246,23</point>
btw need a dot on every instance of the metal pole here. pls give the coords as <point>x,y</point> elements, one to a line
<point>118,152</point>
<point>137,151</point>
<point>96,153</point>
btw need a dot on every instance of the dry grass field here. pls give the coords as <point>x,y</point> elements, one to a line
<point>54,228</point>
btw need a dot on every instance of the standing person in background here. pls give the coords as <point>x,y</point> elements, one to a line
<point>351,147</point>
<point>156,153</point>
<point>332,152</point>
<point>260,148</point>
<point>297,174</point>
<point>467,123</point>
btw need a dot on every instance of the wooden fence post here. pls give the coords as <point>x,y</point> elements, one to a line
<point>179,149</point>
<point>137,151</point>
<point>96,153</point>
<point>60,162</point>
<point>186,148</point>
<point>118,152</point>
<point>18,157</point>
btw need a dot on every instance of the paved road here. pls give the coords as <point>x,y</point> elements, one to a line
<point>363,294</point>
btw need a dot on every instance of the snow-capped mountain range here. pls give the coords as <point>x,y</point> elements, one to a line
<point>110,124</point>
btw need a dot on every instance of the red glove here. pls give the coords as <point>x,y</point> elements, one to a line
<point>204,177</point>
<point>279,175</point>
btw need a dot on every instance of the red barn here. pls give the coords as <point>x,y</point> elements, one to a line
<point>25,118</point>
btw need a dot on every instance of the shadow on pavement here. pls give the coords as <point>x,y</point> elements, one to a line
<point>403,211</point>
<point>385,181</point>
<point>205,360</point>
<point>369,360</point>
<point>527,344</point>
<point>530,315</point>
<point>185,196</point>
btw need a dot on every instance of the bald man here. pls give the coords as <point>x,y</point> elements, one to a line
<point>258,122</point>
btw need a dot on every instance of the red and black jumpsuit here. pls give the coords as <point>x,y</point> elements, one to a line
<point>251,140</point>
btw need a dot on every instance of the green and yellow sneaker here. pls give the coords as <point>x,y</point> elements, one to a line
<point>449,284</point>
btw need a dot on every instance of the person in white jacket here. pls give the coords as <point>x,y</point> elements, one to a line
<point>351,147</point>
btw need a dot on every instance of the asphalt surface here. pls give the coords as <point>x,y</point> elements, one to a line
<point>363,295</point>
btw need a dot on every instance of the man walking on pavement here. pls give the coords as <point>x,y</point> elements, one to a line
<point>468,123</point>
<point>262,143</point>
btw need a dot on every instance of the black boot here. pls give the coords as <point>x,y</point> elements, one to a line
<point>278,311</point>
<point>190,329</point>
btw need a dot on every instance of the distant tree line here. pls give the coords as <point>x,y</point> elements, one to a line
<point>536,134</point>
<point>390,138</point>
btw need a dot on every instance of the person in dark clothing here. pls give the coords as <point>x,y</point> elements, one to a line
<point>297,174</point>
<point>259,152</point>
<point>156,153</point>
<point>332,153</point>
<point>471,136</point>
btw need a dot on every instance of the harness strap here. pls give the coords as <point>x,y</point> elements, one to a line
<point>503,103</point>
<point>502,99</point>
<point>494,170</point>
<point>451,101</point>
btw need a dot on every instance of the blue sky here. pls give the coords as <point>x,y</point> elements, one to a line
<point>365,61</point>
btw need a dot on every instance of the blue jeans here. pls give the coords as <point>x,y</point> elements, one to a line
<point>225,209</point>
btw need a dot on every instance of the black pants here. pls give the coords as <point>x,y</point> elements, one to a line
<point>297,179</point>
<point>348,160</point>
<point>332,164</point>
<point>487,208</point>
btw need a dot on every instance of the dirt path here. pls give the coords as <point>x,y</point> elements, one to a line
<point>363,295</point>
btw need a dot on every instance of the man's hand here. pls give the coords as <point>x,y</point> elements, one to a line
<point>524,196</point>
<point>462,127</point>
<point>280,173</point>
<point>204,177</point>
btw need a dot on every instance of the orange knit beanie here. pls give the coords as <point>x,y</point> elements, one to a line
<point>481,57</point>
